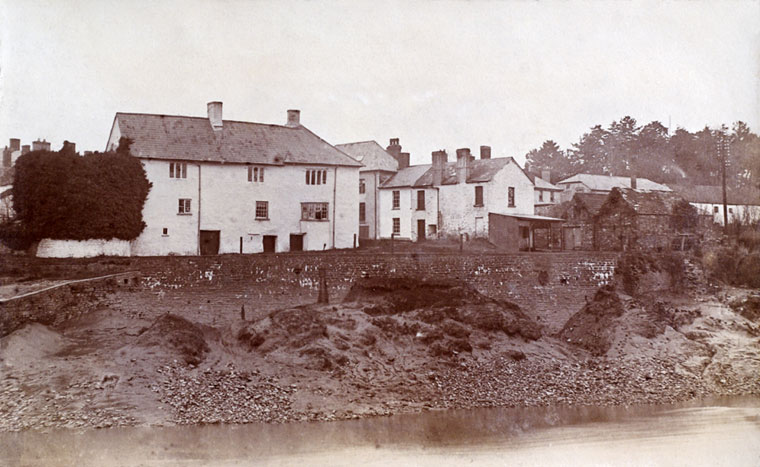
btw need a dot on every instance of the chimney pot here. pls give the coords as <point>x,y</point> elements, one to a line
<point>485,152</point>
<point>634,182</point>
<point>215,114</point>
<point>294,118</point>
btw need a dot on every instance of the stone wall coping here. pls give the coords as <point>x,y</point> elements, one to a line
<point>62,284</point>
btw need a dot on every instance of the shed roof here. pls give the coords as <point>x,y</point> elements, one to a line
<point>193,139</point>
<point>371,155</point>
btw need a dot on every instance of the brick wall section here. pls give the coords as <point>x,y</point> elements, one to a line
<point>539,282</point>
<point>60,303</point>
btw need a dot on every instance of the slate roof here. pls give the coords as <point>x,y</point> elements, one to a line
<point>542,184</point>
<point>371,155</point>
<point>608,182</point>
<point>483,170</point>
<point>651,203</point>
<point>193,139</point>
<point>713,194</point>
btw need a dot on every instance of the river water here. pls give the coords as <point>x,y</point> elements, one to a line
<point>716,432</point>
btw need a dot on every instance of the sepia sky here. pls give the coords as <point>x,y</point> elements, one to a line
<point>437,75</point>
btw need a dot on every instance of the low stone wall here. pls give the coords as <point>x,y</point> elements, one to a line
<point>59,303</point>
<point>49,248</point>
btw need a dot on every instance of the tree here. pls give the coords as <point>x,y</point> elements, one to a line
<point>549,157</point>
<point>62,195</point>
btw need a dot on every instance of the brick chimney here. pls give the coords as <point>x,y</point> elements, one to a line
<point>440,158</point>
<point>403,160</point>
<point>633,182</point>
<point>214,110</point>
<point>40,145</point>
<point>6,157</point>
<point>464,164</point>
<point>294,118</point>
<point>546,175</point>
<point>24,149</point>
<point>15,144</point>
<point>485,152</point>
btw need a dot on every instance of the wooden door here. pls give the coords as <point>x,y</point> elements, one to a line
<point>269,243</point>
<point>209,242</point>
<point>296,242</point>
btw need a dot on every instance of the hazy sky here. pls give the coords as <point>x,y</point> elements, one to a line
<point>509,74</point>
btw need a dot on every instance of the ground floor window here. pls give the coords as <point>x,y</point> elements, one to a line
<point>396,225</point>
<point>362,212</point>
<point>184,206</point>
<point>314,211</point>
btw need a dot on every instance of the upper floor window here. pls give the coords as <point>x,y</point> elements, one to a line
<point>184,206</point>
<point>540,195</point>
<point>511,196</point>
<point>316,177</point>
<point>362,212</point>
<point>362,186</point>
<point>478,196</point>
<point>177,170</point>
<point>551,196</point>
<point>420,200</point>
<point>262,209</point>
<point>314,211</point>
<point>396,199</point>
<point>256,174</point>
<point>715,209</point>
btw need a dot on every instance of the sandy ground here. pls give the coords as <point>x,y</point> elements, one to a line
<point>175,357</point>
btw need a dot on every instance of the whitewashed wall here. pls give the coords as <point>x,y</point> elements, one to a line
<point>49,248</point>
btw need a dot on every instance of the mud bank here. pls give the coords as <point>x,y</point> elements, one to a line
<point>393,346</point>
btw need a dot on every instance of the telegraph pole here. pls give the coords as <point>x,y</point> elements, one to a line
<point>723,154</point>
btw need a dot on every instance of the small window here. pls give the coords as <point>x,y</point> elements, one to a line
<point>396,225</point>
<point>262,209</point>
<point>511,196</point>
<point>540,195</point>
<point>362,212</point>
<point>256,174</point>
<point>362,186</point>
<point>478,196</point>
<point>314,211</point>
<point>420,200</point>
<point>715,209</point>
<point>165,231</point>
<point>177,170</point>
<point>184,206</point>
<point>551,196</point>
<point>396,199</point>
<point>730,210</point>
<point>316,177</point>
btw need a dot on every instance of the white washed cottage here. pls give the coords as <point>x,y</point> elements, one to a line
<point>222,186</point>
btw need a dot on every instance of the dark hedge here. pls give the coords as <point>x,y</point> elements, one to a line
<point>62,195</point>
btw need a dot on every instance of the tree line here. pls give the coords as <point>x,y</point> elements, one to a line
<point>651,151</point>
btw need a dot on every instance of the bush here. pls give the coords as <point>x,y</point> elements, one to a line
<point>62,195</point>
<point>750,239</point>
<point>748,270</point>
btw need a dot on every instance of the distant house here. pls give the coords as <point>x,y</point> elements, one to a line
<point>589,183</point>
<point>460,198</point>
<point>378,166</point>
<point>579,228</point>
<point>743,204</point>
<point>222,186</point>
<point>6,203</point>
<point>546,193</point>
<point>630,219</point>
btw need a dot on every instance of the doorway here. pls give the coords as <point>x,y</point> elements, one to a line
<point>420,230</point>
<point>296,242</point>
<point>209,242</point>
<point>269,242</point>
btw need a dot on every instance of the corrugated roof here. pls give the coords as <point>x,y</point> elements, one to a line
<point>713,194</point>
<point>608,182</point>
<point>192,138</point>
<point>370,154</point>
